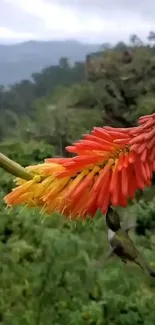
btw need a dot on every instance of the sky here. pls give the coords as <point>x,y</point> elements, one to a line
<point>93,21</point>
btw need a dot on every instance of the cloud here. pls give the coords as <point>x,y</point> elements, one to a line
<point>85,20</point>
<point>146,9</point>
<point>6,33</point>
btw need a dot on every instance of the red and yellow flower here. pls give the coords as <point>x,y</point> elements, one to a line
<point>110,165</point>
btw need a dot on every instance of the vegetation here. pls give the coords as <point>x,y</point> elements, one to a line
<point>19,61</point>
<point>47,271</point>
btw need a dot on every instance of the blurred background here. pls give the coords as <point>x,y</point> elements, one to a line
<point>66,66</point>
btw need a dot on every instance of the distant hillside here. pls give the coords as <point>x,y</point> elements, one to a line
<point>19,61</point>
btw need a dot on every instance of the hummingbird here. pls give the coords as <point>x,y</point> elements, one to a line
<point>121,243</point>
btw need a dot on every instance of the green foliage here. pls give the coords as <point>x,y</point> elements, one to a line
<point>119,87</point>
<point>145,212</point>
<point>47,275</point>
<point>47,271</point>
<point>26,154</point>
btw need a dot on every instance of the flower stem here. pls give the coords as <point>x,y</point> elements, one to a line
<point>14,168</point>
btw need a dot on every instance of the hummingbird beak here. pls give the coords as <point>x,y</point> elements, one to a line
<point>109,209</point>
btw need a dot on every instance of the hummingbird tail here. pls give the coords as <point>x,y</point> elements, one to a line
<point>152,273</point>
<point>145,266</point>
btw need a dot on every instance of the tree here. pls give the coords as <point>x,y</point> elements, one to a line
<point>64,63</point>
<point>151,37</point>
<point>105,46</point>
<point>135,40</point>
<point>120,46</point>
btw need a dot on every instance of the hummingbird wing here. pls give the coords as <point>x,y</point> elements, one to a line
<point>128,225</point>
<point>126,249</point>
<point>103,259</point>
<point>123,246</point>
<point>114,249</point>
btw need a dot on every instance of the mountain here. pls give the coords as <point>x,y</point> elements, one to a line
<point>19,61</point>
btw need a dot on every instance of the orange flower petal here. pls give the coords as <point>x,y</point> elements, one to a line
<point>115,199</point>
<point>104,188</point>
<point>143,155</point>
<point>102,133</point>
<point>124,182</point>
<point>137,139</point>
<point>132,184</point>
<point>109,166</point>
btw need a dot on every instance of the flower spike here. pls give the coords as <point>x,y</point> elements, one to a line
<point>109,166</point>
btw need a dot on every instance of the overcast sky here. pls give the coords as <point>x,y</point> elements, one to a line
<point>84,20</point>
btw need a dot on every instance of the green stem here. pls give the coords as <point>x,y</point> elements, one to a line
<point>14,168</point>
